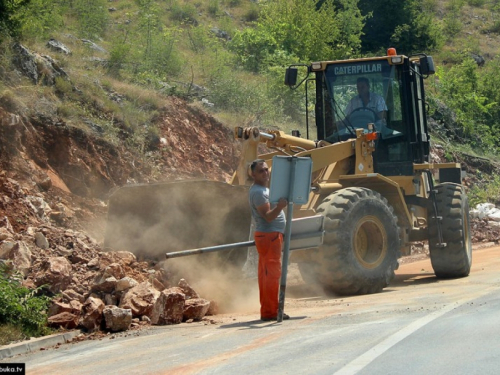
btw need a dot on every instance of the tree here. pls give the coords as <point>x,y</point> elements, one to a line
<point>305,30</point>
<point>382,18</point>
<point>29,18</point>
<point>409,26</point>
<point>7,9</point>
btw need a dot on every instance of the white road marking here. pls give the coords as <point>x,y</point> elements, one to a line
<point>363,360</point>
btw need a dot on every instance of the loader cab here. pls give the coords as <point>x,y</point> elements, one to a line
<point>396,106</point>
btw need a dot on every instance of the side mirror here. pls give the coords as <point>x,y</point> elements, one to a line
<point>291,76</point>
<point>427,66</point>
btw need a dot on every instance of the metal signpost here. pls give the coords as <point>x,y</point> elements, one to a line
<point>291,179</point>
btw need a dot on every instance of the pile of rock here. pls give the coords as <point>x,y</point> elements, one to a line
<point>95,289</point>
<point>91,289</point>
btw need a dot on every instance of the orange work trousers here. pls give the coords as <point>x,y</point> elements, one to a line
<point>269,247</point>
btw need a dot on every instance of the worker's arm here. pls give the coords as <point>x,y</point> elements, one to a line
<point>270,214</point>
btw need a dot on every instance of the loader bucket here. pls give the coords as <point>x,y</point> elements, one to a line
<point>150,220</point>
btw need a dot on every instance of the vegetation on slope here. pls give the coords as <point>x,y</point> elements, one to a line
<point>127,55</point>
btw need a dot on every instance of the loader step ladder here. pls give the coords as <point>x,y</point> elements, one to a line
<point>436,217</point>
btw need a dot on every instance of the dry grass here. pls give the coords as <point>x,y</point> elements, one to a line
<point>10,334</point>
<point>140,96</point>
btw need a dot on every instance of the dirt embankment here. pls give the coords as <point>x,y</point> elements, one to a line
<point>68,165</point>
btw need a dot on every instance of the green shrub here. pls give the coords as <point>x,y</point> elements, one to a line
<point>452,25</point>
<point>233,3</point>
<point>117,58</point>
<point>252,14</point>
<point>213,7</point>
<point>476,3</point>
<point>93,17</point>
<point>183,12</point>
<point>63,86</point>
<point>69,110</point>
<point>35,19</point>
<point>199,39</point>
<point>20,306</point>
<point>494,28</point>
<point>429,5</point>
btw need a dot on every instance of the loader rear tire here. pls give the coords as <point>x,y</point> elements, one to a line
<point>455,259</point>
<point>361,242</point>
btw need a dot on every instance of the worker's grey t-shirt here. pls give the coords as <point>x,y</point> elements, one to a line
<point>258,196</point>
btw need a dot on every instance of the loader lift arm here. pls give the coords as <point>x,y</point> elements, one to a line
<point>322,153</point>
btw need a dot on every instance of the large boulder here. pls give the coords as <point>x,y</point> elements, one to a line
<point>92,314</point>
<point>55,272</point>
<point>39,68</point>
<point>6,234</point>
<point>64,320</point>
<point>140,299</point>
<point>115,270</point>
<point>41,241</point>
<point>107,285</point>
<point>169,307</point>
<point>117,319</point>
<point>70,295</point>
<point>187,289</point>
<point>124,258</point>
<point>58,307</point>
<point>57,46</point>
<point>19,253</point>
<point>195,308</point>
<point>125,284</point>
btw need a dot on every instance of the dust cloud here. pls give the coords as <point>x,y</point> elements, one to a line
<point>215,280</point>
<point>152,220</point>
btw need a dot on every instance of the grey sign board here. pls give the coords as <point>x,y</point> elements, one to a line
<point>281,176</point>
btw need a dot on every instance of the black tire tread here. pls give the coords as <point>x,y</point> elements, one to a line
<point>455,259</point>
<point>339,272</point>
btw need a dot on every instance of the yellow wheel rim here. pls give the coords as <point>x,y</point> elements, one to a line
<point>370,242</point>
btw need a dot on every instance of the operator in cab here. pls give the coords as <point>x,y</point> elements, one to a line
<point>365,108</point>
<point>367,100</point>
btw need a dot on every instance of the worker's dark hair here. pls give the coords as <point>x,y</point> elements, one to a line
<point>363,79</point>
<point>255,162</point>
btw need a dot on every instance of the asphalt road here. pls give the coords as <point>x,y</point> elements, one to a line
<point>418,325</point>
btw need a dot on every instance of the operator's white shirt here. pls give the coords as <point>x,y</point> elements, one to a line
<point>376,103</point>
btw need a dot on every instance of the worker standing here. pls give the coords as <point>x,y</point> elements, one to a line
<point>270,224</point>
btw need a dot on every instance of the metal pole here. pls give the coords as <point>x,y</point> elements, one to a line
<point>209,249</point>
<point>286,249</point>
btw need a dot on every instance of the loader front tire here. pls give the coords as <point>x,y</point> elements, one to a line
<point>361,242</point>
<point>454,259</point>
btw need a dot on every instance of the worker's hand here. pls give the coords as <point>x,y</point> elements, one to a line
<point>282,203</point>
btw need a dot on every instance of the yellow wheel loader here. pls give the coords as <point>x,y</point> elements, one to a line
<point>371,179</point>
